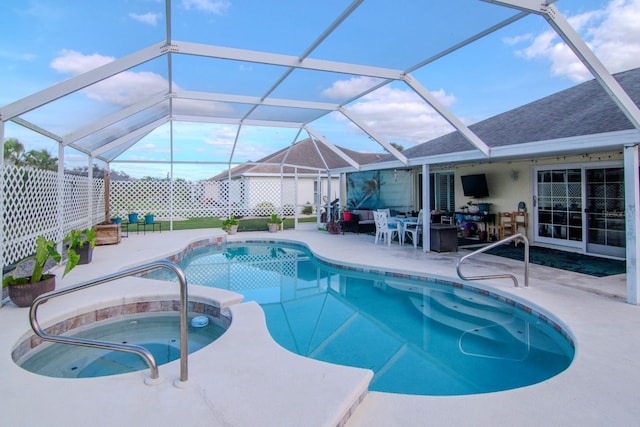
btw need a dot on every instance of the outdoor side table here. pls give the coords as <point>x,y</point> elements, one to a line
<point>144,225</point>
<point>444,238</point>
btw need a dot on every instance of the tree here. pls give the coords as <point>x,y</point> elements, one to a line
<point>397,146</point>
<point>14,152</point>
<point>41,159</point>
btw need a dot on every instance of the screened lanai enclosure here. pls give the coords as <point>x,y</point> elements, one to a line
<point>148,102</point>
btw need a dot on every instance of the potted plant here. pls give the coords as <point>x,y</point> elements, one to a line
<point>81,242</point>
<point>148,218</point>
<point>108,232</point>
<point>346,213</point>
<point>274,222</point>
<point>333,227</point>
<point>133,218</point>
<point>23,290</point>
<point>230,225</point>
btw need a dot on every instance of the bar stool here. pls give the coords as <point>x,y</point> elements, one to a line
<point>505,226</point>
<point>520,220</point>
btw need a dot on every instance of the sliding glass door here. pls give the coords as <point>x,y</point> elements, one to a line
<point>581,207</point>
<point>559,206</point>
<point>605,211</point>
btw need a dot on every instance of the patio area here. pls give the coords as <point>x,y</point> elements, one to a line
<point>245,379</point>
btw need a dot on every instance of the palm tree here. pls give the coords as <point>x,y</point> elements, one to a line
<point>14,152</point>
<point>41,159</point>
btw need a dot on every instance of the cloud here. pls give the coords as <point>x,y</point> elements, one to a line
<point>72,62</point>
<point>613,34</point>
<point>10,55</point>
<point>349,88</point>
<point>123,89</point>
<point>512,41</point>
<point>397,115</point>
<point>146,18</point>
<point>217,7</point>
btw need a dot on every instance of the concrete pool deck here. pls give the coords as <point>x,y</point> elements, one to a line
<point>245,379</point>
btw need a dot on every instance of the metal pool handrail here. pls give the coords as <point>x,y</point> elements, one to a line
<point>499,276</point>
<point>129,348</point>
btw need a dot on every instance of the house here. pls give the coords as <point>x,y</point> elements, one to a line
<point>256,188</point>
<point>562,155</point>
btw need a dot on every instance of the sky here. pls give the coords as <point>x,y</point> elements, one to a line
<point>45,42</point>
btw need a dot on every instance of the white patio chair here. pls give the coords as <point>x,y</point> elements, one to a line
<point>412,230</point>
<point>384,229</point>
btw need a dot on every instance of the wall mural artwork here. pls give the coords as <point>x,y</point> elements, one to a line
<point>363,190</point>
<point>380,189</point>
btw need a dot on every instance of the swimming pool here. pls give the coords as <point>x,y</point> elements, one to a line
<point>418,336</point>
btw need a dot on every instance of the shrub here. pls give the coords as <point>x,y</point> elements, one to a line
<point>307,210</point>
<point>264,209</point>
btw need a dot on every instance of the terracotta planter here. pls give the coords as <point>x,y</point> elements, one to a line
<point>23,295</point>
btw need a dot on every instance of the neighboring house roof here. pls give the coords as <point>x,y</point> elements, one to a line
<point>303,153</point>
<point>584,109</point>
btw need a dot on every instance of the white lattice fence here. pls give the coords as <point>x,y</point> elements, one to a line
<point>32,208</point>
<point>266,196</point>
<point>76,202</point>
<point>98,201</point>
<point>246,197</point>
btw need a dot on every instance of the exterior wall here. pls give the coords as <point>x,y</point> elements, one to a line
<point>512,182</point>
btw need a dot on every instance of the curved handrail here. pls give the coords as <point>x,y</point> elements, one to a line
<point>129,348</point>
<point>498,276</point>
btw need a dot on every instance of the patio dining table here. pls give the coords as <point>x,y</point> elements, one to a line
<point>402,222</point>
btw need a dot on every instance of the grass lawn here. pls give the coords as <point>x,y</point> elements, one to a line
<point>246,224</point>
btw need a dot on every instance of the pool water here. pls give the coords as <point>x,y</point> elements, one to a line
<point>160,334</point>
<point>418,337</point>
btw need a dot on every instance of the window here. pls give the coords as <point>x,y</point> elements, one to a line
<point>443,194</point>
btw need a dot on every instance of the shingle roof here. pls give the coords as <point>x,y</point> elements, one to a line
<point>303,153</point>
<point>584,109</point>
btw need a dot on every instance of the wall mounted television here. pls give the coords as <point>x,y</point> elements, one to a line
<point>475,186</point>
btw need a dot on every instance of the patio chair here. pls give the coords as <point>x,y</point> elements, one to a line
<point>384,229</point>
<point>412,230</point>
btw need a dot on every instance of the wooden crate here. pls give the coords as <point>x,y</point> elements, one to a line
<point>107,234</point>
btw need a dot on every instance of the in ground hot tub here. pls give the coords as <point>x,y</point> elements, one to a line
<point>154,325</point>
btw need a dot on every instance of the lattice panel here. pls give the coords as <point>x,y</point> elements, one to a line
<point>246,197</point>
<point>31,209</point>
<point>76,203</point>
<point>98,200</point>
<point>266,197</point>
